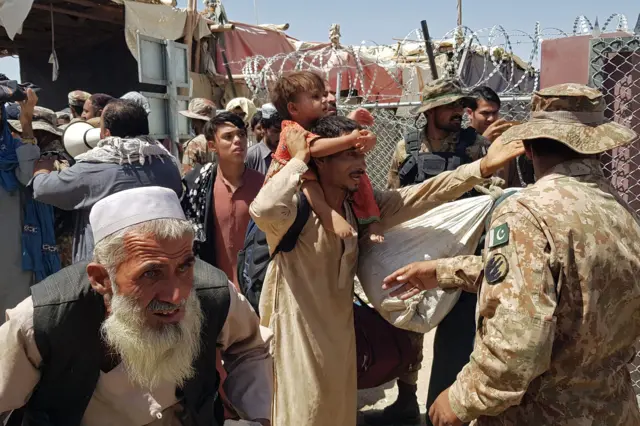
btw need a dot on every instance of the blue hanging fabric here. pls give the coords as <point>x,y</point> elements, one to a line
<point>39,249</point>
<point>8,156</point>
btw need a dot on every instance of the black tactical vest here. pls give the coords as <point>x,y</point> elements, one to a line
<point>420,166</point>
<point>67,319</point>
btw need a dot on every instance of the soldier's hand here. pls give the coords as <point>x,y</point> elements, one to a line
<point>362,117</point>
<point>415,277</point>
<point>499,155</point>
<point>441,413</point>
<point>497,128</point>
<point>296,140</point>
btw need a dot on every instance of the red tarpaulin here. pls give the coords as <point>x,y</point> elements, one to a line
<point>372,81</point>
<point>250,40</point>
<point>368,78</point>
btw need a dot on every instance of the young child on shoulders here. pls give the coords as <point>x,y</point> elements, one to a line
<point>299,98</point>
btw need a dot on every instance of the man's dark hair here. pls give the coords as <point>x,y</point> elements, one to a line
<point>100,100</point>
<point>335,126</point>
<point>546,147</point>
<point>486,94</point>
<point>77,109</point>
<point>125,119</point>
<point>225,117</point>
<point>275,120</point>
<point>257,117</point>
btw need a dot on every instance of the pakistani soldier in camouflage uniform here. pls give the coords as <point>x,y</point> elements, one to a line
<point>443,106</point>
<point>77,98</point>
<point>441,145</point>
<point>196,150</point>
<point>559,305</point>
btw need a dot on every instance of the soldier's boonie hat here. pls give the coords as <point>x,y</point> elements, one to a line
<point>78,98</point>
<point>43,119</point>
<point>440,92</point>
<point>572,114</point>
<point>200,109</point>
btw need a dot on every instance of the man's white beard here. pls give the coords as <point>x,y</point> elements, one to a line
<point>152,356</point>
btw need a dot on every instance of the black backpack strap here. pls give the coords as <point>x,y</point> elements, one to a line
<point>290,239</point>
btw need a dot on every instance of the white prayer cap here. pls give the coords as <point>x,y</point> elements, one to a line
<point>268,111</point>
<point>131,207</point>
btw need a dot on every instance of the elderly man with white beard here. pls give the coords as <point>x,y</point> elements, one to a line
<point>130,339</point>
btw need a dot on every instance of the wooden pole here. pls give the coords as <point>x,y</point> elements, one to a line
<point>92,4</point>
<point>255,11</point>
<point>459,13</point>
<point>188,33</point>
<point>221,28</point>
<point>196,65</point>
<point>228,69</point>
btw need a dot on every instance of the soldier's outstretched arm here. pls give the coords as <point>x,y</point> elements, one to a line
<point>463,272</point>
<point>407,203</point>
<point>516,316</point>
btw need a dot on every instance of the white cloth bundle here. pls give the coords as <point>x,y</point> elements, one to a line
<point>449,230</point>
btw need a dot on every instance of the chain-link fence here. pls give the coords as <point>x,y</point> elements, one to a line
<point>615,71</point>
<point>391,124</point>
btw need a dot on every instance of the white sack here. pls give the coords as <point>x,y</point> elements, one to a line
<point>13,14</point>
<point>158,21</point>
<point>452,229</point>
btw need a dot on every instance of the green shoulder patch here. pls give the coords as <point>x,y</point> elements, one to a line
<point>499,235</point>
<point>496,268</point>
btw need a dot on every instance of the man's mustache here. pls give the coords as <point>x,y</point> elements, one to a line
<point>160,306</point>
<point>456,117</point>
<point>358,172</point>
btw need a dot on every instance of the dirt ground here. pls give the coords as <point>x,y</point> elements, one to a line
<point>370,400</point>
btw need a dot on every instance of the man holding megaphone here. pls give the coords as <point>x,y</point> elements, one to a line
<point>118,156</point>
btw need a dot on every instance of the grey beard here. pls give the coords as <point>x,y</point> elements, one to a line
<point>153,356</point>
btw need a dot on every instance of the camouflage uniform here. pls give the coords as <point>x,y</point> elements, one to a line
<point>196,150</point>
<point>45,120</point>
<point>559,305</point>
<point>77,98</point>
<point>437,93</point>
<point>475,152</point>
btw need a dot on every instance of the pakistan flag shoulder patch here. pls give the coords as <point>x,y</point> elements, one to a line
<point>499,235</point>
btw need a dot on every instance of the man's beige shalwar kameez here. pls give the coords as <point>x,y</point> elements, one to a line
<point>307,298</point>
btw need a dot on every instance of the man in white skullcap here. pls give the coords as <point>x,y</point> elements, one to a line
<point>259,155</point>
<point>130,338</point>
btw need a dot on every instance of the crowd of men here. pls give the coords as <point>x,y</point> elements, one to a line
<point>123,290</point>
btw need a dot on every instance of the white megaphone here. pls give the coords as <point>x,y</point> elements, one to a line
<point>80,137</point>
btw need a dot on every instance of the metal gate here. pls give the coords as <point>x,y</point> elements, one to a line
<point>614,69</point>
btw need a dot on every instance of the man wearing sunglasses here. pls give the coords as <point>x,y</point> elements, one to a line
<point>425,153</point>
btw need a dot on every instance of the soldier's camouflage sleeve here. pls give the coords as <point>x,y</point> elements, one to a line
<point>516,322</point>
<point>462,272</point>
